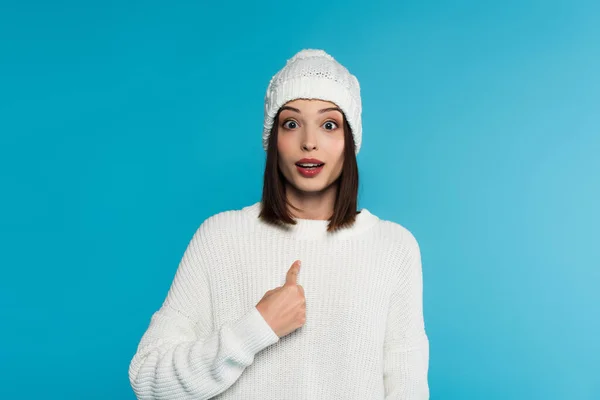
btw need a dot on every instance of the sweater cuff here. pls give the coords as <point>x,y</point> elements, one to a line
<point>254,332</point>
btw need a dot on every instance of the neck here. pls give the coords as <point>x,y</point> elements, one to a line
<point>312,229</point>
<point>311,205</point>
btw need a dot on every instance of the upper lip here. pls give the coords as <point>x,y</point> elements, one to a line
<point>309,161</point>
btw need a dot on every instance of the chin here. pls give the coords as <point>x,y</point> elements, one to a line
<point>311,185</point>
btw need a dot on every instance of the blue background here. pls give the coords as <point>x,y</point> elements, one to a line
<point>125,124</point>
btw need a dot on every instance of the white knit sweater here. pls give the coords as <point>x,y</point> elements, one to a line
<point>364,335</point>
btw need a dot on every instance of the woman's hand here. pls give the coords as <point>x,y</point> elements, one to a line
<point>284,308</point>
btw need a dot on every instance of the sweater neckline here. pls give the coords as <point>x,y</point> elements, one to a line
<point>315,228</point>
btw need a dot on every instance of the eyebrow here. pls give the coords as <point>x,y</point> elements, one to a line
<point>324,110</point>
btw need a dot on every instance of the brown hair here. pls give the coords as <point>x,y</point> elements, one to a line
<point>274,202</point>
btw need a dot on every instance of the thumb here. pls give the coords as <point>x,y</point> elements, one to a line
<point>292,274</point>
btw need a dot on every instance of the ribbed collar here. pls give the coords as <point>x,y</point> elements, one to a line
<point>314,228</point>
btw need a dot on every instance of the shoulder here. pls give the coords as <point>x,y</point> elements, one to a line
<point>403,250</point>
<point>224,223</point>
<point>218,234</point>
<point>399,237</point>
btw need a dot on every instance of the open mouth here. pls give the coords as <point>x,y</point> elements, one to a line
<point>310,166</point>
<point>309,170</point>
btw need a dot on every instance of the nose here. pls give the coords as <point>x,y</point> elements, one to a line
<point>309,140</point>
<point>309,146</point>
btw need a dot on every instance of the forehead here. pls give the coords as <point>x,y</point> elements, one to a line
<point>310,104</point>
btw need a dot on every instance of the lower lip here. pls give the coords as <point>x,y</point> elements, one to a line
<point>309,172</point>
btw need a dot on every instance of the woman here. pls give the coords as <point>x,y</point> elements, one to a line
<point>244,320</point>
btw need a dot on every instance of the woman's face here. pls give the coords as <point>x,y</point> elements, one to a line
<point>310,129</point>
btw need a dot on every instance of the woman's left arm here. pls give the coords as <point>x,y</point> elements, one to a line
<point>406,346</point>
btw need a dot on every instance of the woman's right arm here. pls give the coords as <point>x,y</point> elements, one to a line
<point>181,355</point>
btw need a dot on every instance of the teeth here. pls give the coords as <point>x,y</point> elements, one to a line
<point>309,165</point>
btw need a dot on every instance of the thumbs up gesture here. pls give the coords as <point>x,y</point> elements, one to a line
<point>284,308</point>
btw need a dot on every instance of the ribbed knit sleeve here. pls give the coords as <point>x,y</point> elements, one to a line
<point>406,346</point>
<point>182,355</point>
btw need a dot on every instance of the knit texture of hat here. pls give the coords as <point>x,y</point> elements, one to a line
<point>314,74</point>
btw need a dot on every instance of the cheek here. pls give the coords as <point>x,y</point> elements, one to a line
<point>336,149</point>
<point>284,144</point>
<point>284,148</point>
<point>334,142</point>
<point>339,152</point>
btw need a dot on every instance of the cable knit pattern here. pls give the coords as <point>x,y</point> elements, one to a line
<point>364,336</point>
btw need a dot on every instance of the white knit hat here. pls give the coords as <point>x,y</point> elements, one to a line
<point>314,74</point>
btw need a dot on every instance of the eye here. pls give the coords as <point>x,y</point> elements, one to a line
<point>328,124</point>
<point>288,126</point>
